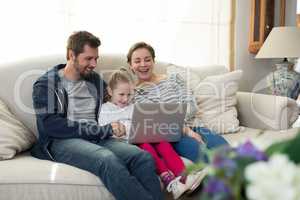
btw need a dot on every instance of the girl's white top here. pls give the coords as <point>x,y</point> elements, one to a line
<point>112,113</point>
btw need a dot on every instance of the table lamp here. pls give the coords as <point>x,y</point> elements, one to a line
<point>283,42</point>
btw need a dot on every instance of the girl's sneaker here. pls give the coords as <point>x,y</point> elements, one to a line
<point>193,180</point>
<point>177,188</point>
<point>166,177</point>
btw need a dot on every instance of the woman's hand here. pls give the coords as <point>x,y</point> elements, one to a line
<point>118,128</point>
<point>189,132</point>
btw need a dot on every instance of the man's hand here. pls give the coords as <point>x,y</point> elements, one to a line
<point>118,129</point>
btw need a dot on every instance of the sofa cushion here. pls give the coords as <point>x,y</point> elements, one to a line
<point>48,180</point>
<point>216,100</point>
<point>14,136</point>
<point>261,138</point>
<point>215,91</point>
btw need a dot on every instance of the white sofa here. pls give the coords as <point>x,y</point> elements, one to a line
<point>28,178</point>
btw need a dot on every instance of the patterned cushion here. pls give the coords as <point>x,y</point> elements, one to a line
<point>216,99</point>
<point>14,136</point>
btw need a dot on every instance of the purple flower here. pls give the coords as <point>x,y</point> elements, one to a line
<point>223,162</point>
<point>248,150</point>
<point>227,165</point>
<point>216,186</point>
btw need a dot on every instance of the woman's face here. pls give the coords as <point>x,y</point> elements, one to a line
<point>142,64</point>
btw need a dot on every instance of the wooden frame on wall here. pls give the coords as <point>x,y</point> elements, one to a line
<point>298,13</point>
<point>261,23</point>
<point>282,12</point>
<point>232,36</point>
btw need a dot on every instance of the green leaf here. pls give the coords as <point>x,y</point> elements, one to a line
<point>291,148</point>
<point>195,167</point>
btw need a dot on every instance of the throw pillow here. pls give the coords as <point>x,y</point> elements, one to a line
<point>216,100</point>
<point>194,75</point>
<point>14,136</point>
<point>189,76</point>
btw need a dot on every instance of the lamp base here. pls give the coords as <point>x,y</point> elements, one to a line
<point>284,81</point>
<point>285,64</point>
<point>297,66</point>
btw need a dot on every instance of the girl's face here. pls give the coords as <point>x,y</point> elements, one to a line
<point>122,94</point>
<point>142,64</point>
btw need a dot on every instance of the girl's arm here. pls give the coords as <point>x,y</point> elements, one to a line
<point>105,115</point>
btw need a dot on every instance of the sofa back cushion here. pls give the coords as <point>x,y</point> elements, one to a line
<point>109,63</point>
<point>17,78</point>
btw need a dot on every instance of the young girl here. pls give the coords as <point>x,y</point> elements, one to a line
<point>169,165</point>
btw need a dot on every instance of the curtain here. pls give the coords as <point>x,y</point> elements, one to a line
<point>188,33</point>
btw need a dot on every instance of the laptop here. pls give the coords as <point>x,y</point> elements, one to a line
<point>156,122</point>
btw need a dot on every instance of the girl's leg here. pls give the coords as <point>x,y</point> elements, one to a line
<point>159,163</point>
<point>171,158</point>
<point>211,138</point>
<point>176,165</point>
<point>161,168</point>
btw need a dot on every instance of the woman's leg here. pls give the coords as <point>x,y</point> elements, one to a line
<point>159,163</point>
<point>211,138</point>
<point>171,158</point>
<point>188,147</point>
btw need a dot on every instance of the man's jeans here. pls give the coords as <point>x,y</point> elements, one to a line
<point>193,150</point>
<point>126,171</point>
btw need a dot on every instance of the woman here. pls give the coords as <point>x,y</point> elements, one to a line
<point>157,88</point>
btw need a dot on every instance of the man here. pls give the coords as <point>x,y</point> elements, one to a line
<point>67,100</point>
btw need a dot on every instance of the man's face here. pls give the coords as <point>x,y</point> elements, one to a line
<point>86,61</point>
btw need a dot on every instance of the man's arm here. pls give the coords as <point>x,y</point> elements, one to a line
<point>54,125</point>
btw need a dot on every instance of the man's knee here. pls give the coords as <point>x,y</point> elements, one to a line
<point>107,161</point>
<point>146,158</point>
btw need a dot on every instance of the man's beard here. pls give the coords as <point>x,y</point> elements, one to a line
<point>77,67</point>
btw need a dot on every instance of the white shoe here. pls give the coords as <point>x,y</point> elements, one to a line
<point>177,188</point>
<point>193,180</point>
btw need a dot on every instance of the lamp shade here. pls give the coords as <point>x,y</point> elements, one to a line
<point>282,42</point>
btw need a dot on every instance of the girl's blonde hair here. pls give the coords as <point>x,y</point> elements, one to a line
<point>122,75</point>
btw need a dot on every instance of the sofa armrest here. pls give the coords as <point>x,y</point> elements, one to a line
<point>266,111</point>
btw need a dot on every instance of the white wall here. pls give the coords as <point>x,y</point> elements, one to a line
<point>255,70</point>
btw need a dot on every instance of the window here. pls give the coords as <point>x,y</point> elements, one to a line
<point>189,33</point>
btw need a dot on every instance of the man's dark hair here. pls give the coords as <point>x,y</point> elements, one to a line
<point>79,39</point>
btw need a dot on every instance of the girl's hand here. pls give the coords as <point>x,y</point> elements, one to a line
<point>118,128</point>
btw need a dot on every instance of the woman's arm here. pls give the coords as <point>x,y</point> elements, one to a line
<point>189,132</point>
<point>186,95</point>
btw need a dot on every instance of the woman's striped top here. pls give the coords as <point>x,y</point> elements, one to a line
<point>170,90</point>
